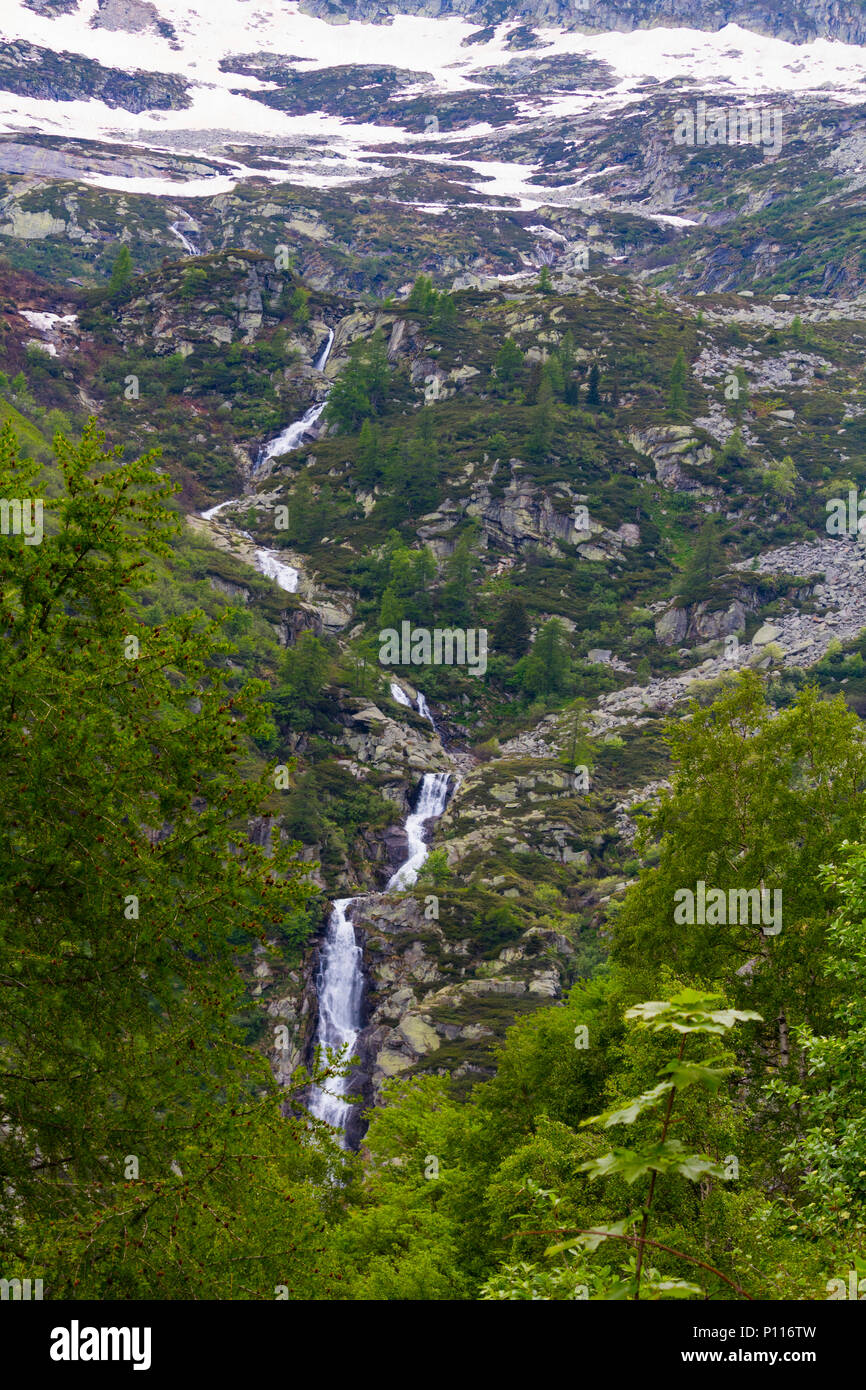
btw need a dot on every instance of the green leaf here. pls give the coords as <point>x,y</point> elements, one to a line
<point>591,1240</point>
<point>685,1074</point>
<point>628,1113</point>
<point>688,1012</point>
<point>675,1288</point>
<point>658,1158</point>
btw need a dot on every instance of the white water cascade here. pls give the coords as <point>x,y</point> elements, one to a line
<point>270,562</point>
<point>283,574</point>
<point>189,246</point>
<point>340,987</point>
<point>340,979</point>
<point>424,711</point>
<point>293,434</point>
<point>429,806</point>
<point>220,506</point>
<point>399,694</point>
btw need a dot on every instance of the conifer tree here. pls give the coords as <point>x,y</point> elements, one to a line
<point>677,390</point>
<point>511,630</point>
<point>127,891</point>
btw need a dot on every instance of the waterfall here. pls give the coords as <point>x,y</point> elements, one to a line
<point>270,565</point>
<point>429,806</point>
<point>340,986</point>
<point>189,246</point>
<point>321,359</point>
<point>424,711</point>
<point>293,434</point>
<point>340,978</point>
<point>399,694</point>
<point>270,562</point>
<point>215,511</point>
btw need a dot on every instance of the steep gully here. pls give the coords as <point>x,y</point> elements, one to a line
<point>269,562</point>
<point>339,979</point>
<point>340,976</point>
<point>188,245</point>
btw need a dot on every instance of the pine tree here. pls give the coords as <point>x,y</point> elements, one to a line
<point>540,435</point>
<point>363,387</point>
<point>121,271</point>
<point>511,631</point>
<point>299,304</point>
<point>368,466</point>
<point>412,472</point>
<point>444,318</point>
<point>593,396</point>
<point>735,450</point>
<point>423,297</point>
<point>705,561</point>
<point>392,610</point>
<point>127,889</point>
<point>578,748</point>
<point>304,513</point>
<point>568,362</point>
<point>509,360</point>
<point>458,591</point>
<point>782,479</point>
<point>677,391</point>
<point>545,669</point>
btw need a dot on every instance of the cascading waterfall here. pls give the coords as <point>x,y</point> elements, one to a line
<point>293,434</point>
<point>424,711</point>
<point>220,506</point>
<point>270,562</point>
<point>340,987</point>
<point>189,246</point>
<point>429,806</point>
<point>320,361</point>
<point>340,978</point>
<point>283,574</point>
<point>399,694</point>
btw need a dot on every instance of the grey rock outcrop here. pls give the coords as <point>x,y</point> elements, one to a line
<point>810,19</point>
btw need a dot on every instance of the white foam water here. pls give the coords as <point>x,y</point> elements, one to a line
<point>269,562</point>
<point>189,246</point>
<point>399,694</point>
<point>340,988</point>
<point>431,803</point>
<point>220,506</point>
<point>340,979</point>
<point>424,711</point>
<point>270,565</point>
<point>294,434</point>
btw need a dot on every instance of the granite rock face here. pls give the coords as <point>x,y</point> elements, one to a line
<point>809,19</point>
<point>30,71</point>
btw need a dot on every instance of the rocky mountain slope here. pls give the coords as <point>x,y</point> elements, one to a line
<point>438,146</point>
<point>525,445</point>
<point>607,431</point>
<point>807,19</point>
